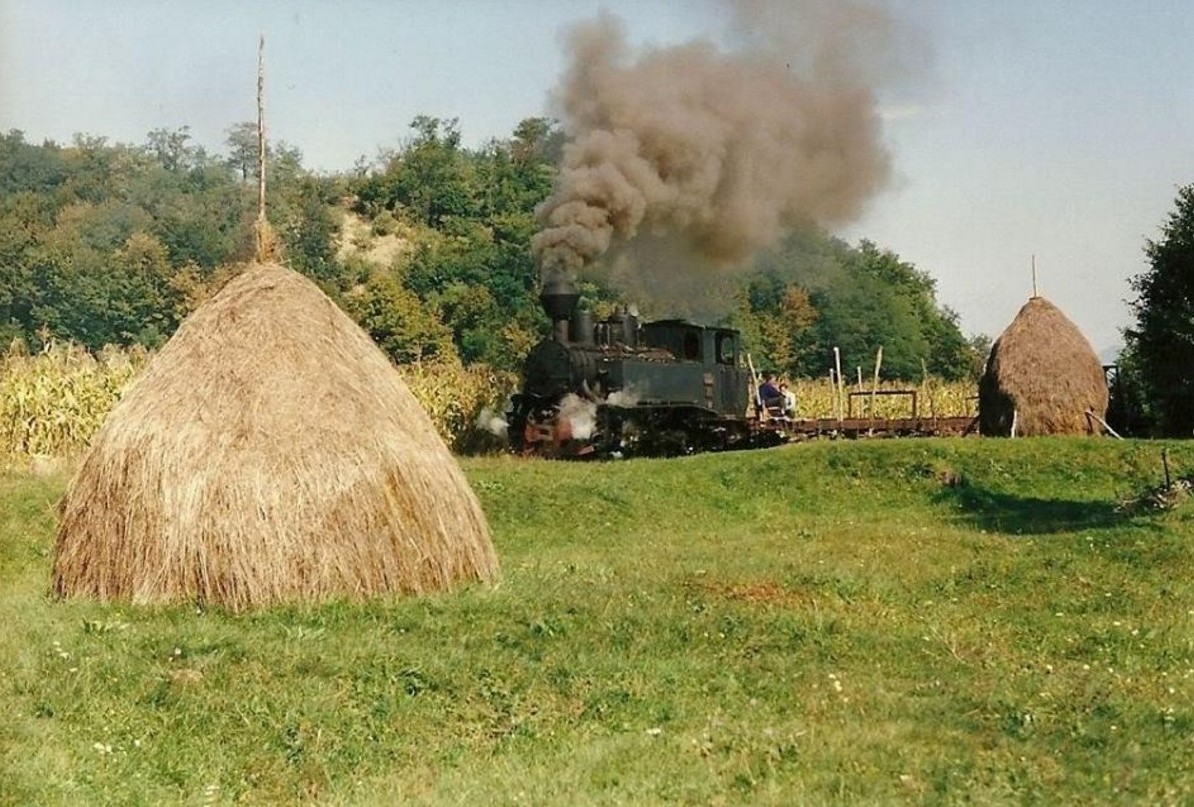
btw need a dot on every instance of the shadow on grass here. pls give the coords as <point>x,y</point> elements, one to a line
<point>1022,515</point>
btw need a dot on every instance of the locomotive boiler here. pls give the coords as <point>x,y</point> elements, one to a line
<point>619,387</point>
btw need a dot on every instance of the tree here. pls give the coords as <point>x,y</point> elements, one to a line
<point>95,169</point>
<point>776,321</point>
<point>951,354</point>
<point>299,205</point>
<point>26,167</point>
<point>429,181</point>
<point>469,311</point>
<point>402,325</point>
<point>24,218</point>
<point>202,216</point>
<point>861,313</point>
<point>945,352</point>
<point>242,149</point>
<point>815,292</point>
<point>979,346</point>
<point>107,243</point>
<point>1161,345</point>
<point>173,148</point>
<point>537,140</point>
<point>143,303</point>
<point>101,278</point>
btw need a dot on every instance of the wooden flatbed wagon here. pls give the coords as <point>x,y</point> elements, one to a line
<point>876,427</point>
<point>851,426</point>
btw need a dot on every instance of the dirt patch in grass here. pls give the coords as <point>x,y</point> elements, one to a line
<point>762,593</point>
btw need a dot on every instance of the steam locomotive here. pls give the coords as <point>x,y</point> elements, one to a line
<point>620,388</point>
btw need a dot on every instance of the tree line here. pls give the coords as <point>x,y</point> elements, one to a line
<point>109,243</point>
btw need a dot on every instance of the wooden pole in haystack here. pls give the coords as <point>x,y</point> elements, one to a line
<point>265,245</point>
<point>261,128</point>
<point>1034,291</point>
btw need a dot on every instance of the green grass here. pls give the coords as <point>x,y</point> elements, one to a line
<point>920,621</point>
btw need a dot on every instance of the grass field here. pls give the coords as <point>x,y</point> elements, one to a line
<point>920,621</point>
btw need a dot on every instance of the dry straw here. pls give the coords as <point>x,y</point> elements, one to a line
<point>269,453</point>
<point>1042,377</point>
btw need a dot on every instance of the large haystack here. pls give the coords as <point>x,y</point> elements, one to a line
<point>269,453</point>
<point>1043,376</point>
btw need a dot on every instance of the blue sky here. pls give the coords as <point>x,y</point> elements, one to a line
<point>1051,128</point>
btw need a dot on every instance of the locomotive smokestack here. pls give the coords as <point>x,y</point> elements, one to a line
<point>558,297</point>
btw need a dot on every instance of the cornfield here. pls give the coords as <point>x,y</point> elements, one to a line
<point>815,398</point>
<point>457,398</point>
<point>52,403</point>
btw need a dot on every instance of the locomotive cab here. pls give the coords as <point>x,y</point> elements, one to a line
<point>704,371</point>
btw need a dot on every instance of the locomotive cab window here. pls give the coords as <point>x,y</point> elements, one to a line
<point>691,346</point>
<point>725,348</point>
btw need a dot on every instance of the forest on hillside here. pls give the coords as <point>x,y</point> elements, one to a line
<point>427,247</point>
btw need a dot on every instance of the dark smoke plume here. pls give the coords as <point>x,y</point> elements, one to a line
<point>722,151</point>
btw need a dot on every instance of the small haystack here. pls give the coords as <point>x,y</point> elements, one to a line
<point>269,453</point>
<point>1042,376</point>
